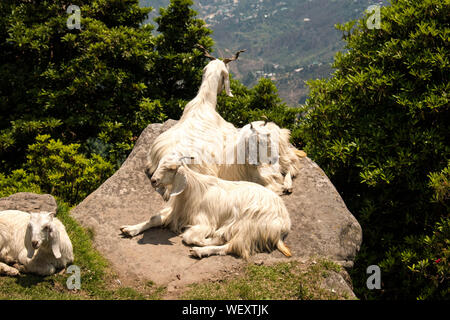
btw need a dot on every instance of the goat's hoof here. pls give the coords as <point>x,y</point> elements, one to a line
<point>127,231</point>
<point>192,252</point>
<point>19,267</point>
<point>12,272</point>
<point>195,253</point>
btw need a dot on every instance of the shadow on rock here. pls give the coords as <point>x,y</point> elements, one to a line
<point>157,237</point>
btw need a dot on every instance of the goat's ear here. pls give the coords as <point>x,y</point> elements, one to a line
<point>179,184</point>
<point>55,241</point>
<point>226,82</point>
<point>27,243</point>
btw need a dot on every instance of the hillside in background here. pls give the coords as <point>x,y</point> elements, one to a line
<point>288,41</point>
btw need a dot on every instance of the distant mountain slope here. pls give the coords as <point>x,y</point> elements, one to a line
<point>289,41</point>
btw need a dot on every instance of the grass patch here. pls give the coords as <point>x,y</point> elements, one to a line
<point>98,281</point>
<point>282,281</point>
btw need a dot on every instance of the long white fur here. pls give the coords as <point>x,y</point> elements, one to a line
<point>282,161</point>
<point>204,134</point>
<point>200,127</point>
<point>18,231</point>
<point>222,217</point>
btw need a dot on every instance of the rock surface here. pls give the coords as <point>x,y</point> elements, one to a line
<point>29,202</point>
<point>322,226</point>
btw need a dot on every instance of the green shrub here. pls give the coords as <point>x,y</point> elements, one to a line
<point>424,262</point>
<point>57,169</point>
<point>18,181</point>
<point>258,103</point>
<point>103,83</point>
<point>379,128</point>
<point>62,171</point>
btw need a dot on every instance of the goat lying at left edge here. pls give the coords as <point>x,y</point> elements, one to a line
<point>34,242</point>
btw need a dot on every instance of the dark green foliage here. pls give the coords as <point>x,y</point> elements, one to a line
<point>258,103</point>
<point>177,72</point>
<point>62,171</point>
<point>380,128</point>
<point>18,181</point>
<point>423,263</point>
<point>75,84</point>
<point>101,83</point>
<point>97,87</point>
<point>57,169</point>
<point>428,256</point>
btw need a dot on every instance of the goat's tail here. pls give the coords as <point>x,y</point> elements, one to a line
<point>283,248</point>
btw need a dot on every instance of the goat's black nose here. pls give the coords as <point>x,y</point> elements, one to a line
<point>148,173</point>
<point>154,181</point>
<point>34,243</point>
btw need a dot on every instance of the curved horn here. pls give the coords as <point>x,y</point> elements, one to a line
<point>236,56</point>
<point>205,52</point>
<point>185,157</point>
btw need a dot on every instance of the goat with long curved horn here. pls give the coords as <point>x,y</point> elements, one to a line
<point>235,57</point>
<point>205,52</point>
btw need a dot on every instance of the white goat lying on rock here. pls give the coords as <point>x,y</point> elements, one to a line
<point>34,243</point>
<point>222,217</point>
<point>268,149</point>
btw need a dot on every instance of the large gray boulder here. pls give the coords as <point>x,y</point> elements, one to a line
<point>322,226</point>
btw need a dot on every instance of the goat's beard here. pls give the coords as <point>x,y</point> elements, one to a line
<point>166,195</point>
<point>164,192</point>
<point>161,190</point>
